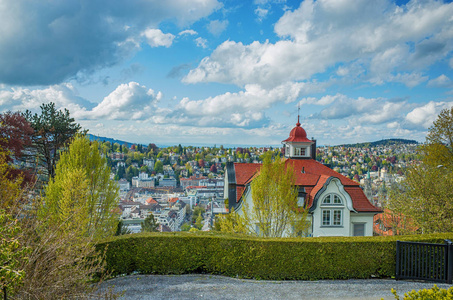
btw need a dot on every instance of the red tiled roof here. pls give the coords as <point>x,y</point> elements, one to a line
<point>245,171</point>
<point>173,199</point>
<point>239,191</point>
<point>312,170</point>
<point>359,201</point>
<point>151,201</point>
<point>310,174</point>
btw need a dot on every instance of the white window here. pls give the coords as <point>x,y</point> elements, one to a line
<point>332,217</point>
<point>299,151</point>
<point>332,210</point>
<point>332,199</point>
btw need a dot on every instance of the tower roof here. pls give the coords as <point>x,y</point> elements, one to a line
<point>298,134</point>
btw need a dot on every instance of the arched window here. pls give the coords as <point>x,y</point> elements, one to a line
<point>332,210</point>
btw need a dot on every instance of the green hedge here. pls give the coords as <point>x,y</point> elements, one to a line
<point>246,257</point>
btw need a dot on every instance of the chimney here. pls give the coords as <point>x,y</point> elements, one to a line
<point>313,149</point>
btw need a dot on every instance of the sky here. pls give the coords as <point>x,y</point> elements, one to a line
<point>231,72</point>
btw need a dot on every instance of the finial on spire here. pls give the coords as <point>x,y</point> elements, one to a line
<point>298,114</point>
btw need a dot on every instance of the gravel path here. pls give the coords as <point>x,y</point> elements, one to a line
<point>196,286</point>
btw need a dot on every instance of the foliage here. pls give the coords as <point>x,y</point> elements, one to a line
<point>185,227</point>
<point>259,258</point>
<point>424,198</point>
<point>60,263</point>
<point>438,150</point>
<point>199,222</point>
<point>150,224</point>
<point>15,133</point>
<point>158,166</point>
<point>10,188</point>
<point>81,192</point>
<point>53,129</point>
<point>233,223</point>
<point>274,211</point>
<point>13,254</point>
<point>122,229</point>
<point>434,293</point>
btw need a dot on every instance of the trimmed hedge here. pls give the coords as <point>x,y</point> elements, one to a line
<point>247,257</point>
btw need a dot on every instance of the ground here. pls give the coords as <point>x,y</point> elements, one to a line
<point>196,286</point>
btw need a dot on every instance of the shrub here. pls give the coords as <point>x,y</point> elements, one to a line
<point>433,293</point>
<point>249,257</point>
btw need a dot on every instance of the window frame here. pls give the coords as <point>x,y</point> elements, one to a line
<point>332,207</point>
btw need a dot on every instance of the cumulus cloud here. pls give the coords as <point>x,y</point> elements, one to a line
<point>216,27</point>
<point>63,95</point>
<point>423,117</point>
<point>393,43</point>
<point>50,41</point>
<point>127,102</point>
<point>156,38</point>
<point>244,109</point>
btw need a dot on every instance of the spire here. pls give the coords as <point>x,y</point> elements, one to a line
<point>298,114</point>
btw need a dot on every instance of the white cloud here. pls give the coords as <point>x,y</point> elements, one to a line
<point>393,43</point>
<point>201,42</point>
<point>242,109</point>
<point>63,95</point>
<point>424,116</point>
<point>50,40</point>
<point>441,81</point>
<point>156,38</point>
<point>359,111</point>
<point>188,32</point>
<point>127,102</point>
<point>216,27</point>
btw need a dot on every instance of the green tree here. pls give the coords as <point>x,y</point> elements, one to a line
<point>150,224</point>
<point>423,201</point>
<point>158,167</point>
<point>82,191</point>
<point>122,229</point>
<point>199,222</point>
<point>275,211</point>
<point>53,129</point>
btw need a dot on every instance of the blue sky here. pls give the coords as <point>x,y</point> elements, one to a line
<point>231,72</point>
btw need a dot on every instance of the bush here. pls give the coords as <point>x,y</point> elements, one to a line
<point>248,257</point>
<point>433,293</point>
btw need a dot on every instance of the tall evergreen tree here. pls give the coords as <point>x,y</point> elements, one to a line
<point>53,129</point>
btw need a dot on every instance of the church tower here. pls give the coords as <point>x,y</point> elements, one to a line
<point>298,146</point>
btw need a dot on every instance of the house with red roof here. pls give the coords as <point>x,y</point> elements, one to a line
<point>337,205</point>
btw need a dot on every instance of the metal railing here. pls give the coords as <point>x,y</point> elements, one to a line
<point>424,261</point>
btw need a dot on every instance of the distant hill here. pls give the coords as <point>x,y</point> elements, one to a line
<point>106,139</point>
<point>387,142</point>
